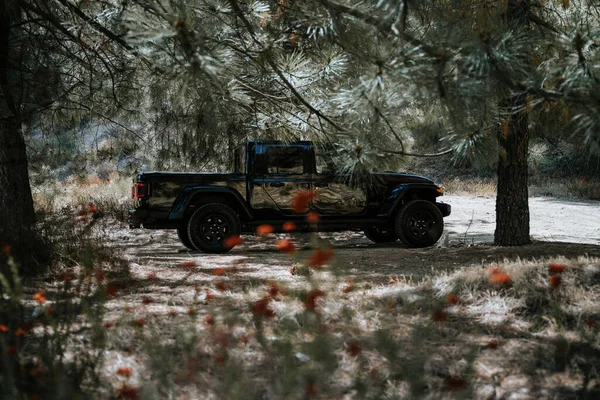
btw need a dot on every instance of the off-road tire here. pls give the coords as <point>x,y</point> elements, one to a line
<point>419,223</point>
<point>378,235</point>
<point>210,225</point>
<point>182,234</point>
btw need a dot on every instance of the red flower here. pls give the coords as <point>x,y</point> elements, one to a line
<point>49,310</point>
<point>3,328</point>
<point>209,295</point>
<point>108,325</point>
<point>499,277</point>
<point>452,299</point>
<point>233,241</point>
<point>100,275</point>
<point>439,316</point>
<point>172,313</point>
<point>312,217</point>
<point>152,276</point>
<point>264,229</point>
<point>455,383</point>
<point>129,392</point>
<point>189,264</point>
<point>147,300</point>
<point>493,344</point>
<point>218,271</point>
<point>92,207</point>
<point>555,268</point>
<point>39,297</point>
<point>139,322</point>
<point>554,281</point>
<point>21,332</point>
<point>274,290</point>
<point>261,308</point>
<point>221,286</point>
<point>301,201</point>
<point>353,347</point>
<point>5,249</point>
<point>289,226</point>
<point>285,246</point>
<point>124,371</point>
<point>320,257</point>
<point>66,277</point>
<point>111,289</point>
<point>209,320</point>
<point>310,300</point>
<point>191,311</point>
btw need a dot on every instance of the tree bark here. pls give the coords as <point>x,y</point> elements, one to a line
<point>512,197</point>
<point>17,216</point>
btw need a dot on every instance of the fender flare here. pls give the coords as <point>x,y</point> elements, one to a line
<point>397,194</point>
<point>188,194</point>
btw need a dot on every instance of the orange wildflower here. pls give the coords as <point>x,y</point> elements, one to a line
<point>353,347</point>
<point>233,241</point>
<point>289,226</point>
<point>92,208</point>
<point>261,308</point>
<point>312,217</point>
<point>439,316</point>
<point>310,300</point>
<point>285,246</point>
<point>3,328</point>
<point>108,325</point>
<point>209,296</point>
<point>221,286</point>
<point>49,310</point>
<point>189,264</point>
<point>554,281</point>
<point>274,290</point>
<point>39,297</point>
<point>21,332</point>
<point>555,268</point>
<point>320,257</point>
<point>218,271</point>
<point>129,392</point>
<point>499,277</point>
<point>455,383</point>
<point>209,320</point>
<point>139,322</point>
<point>191,311</point>
<point>5,249</point>
<point>124,371</point>
<point>100,275</point>
<point>111,290</point>
<point>147,300</point>
<point>493,344</point>
<point>301,201</point>
<point>264,229</point>
<point>452,299</point>
<point>152,276</point>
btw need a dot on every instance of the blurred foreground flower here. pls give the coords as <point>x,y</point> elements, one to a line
<point>554,281</point>
<point>555,268</point>
<point>261,308</point>
<point>285,246</point>
<point>499,277</point>
<point>320,257</point>
<point>301,201</point>
<point>264,229</point>
<point>310,300</point>
<point>40,297</point>
<point>124,371</point>
<point>233,241</point>
<point>289,226</point>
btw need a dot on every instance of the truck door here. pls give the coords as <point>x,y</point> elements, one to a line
<point>332,195</point>
<point>280,172</point>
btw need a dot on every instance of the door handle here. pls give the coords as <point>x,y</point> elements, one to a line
<point>276,184</point>
<point>321,184</point>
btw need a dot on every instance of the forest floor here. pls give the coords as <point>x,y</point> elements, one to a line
<point>362,275</point>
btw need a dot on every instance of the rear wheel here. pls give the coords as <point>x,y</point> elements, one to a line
<point>182,234</point>
<point>379,235</point>
<point>211,225</point>
<point>419,224</point>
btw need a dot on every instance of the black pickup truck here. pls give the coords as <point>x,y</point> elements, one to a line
<point>268,179</point>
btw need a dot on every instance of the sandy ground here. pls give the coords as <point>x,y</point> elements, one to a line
<point>552,220</point>
<point>558,228</point>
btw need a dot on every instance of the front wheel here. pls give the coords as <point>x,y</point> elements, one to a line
<point>379,235</point>
<point>211,225</point>
<point>419,224</point>
<point>182,234</point>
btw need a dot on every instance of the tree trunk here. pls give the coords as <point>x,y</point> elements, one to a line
<point>512,197</point>
<point>17,216</point>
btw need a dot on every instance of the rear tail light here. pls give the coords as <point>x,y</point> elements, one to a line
<point>140,191</point>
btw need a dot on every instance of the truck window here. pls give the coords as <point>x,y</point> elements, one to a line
<point>285,160</point>
<point>239,160</point>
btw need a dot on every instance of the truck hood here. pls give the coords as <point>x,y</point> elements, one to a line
<point>401,177</point>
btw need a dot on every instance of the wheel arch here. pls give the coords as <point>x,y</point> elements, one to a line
<point>191,198</point>
<point>406,193</point>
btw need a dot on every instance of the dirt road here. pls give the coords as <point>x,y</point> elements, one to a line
<point>559,228</point>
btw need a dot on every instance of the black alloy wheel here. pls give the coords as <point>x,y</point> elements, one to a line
<point>419,223</point>
<point>211,225</point>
